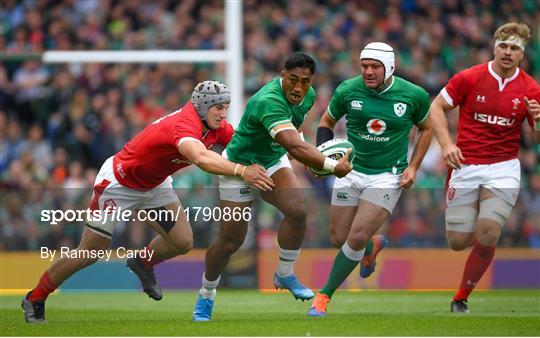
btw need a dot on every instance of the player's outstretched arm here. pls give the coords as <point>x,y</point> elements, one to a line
<point>425,132</point>
<point>306,153</point>
<point>213,163</point>
<point>451,153</point>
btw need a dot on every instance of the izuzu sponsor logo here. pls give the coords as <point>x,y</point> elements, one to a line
<point>495,120</point>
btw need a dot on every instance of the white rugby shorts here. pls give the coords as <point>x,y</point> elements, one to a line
<point>235,189</point>
<point>502,178</point>
<point>380,189</point>
<point>108,195</point>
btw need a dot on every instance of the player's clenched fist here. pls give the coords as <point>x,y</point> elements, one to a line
<point>343,166</point>
<point>533,107</point>
<point>408,177</point>
<point>453,156</point>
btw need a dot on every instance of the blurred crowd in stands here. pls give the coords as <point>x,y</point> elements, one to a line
<point>58,123</point>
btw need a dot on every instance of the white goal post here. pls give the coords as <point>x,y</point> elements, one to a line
<point>232,55</point>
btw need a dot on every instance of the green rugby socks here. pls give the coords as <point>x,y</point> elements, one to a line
<point>346,260</point>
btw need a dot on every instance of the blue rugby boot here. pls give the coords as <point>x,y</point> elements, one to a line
<point>203,309</point>
<point>291,283</point>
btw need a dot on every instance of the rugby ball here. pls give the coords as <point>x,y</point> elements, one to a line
<point>336,149</point>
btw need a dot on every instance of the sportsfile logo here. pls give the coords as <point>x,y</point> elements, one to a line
<point>495,120</point>
<point>110,212</point>
<point>118,214</point>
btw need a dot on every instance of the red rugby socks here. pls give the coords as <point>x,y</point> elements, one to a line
<point>43,289</point>
<point>479,260</point>
<point>149,264</point>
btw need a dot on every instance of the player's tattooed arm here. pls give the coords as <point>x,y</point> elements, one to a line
<point>451,153</point>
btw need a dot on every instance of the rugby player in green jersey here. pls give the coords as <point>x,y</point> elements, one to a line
<point>380,110</point>
<point>266,133</point>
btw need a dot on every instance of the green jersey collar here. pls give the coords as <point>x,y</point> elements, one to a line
<point>385,90</point>
<point>389,86</point>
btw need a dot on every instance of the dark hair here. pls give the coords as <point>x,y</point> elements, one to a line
<point>300,60</point>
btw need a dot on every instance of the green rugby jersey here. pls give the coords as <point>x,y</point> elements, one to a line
<point>252,142</point>
<point>378,124</point>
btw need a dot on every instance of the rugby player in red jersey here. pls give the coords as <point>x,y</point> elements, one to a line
<point>138,178</point>
<point>494,100</point>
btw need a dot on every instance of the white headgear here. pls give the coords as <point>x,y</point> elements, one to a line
<point>382,52</point>
<point>512,40</point>
<point>207,94</point>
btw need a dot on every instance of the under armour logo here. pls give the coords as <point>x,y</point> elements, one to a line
<point>480,98</point>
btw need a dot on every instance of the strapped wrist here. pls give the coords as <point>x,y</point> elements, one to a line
<point>330,164</point>
<point>537,125</point>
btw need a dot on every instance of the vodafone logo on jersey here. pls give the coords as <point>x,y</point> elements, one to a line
<point>376,126</point>
<point>495,120</point>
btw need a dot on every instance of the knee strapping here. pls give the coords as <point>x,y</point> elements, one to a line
<point>461,218</point>
<point>496,209</point>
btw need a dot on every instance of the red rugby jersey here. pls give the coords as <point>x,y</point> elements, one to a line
<point>152,155</point>
<point>491,112</point>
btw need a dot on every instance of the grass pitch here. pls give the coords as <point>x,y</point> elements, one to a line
<point>250,313</point>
